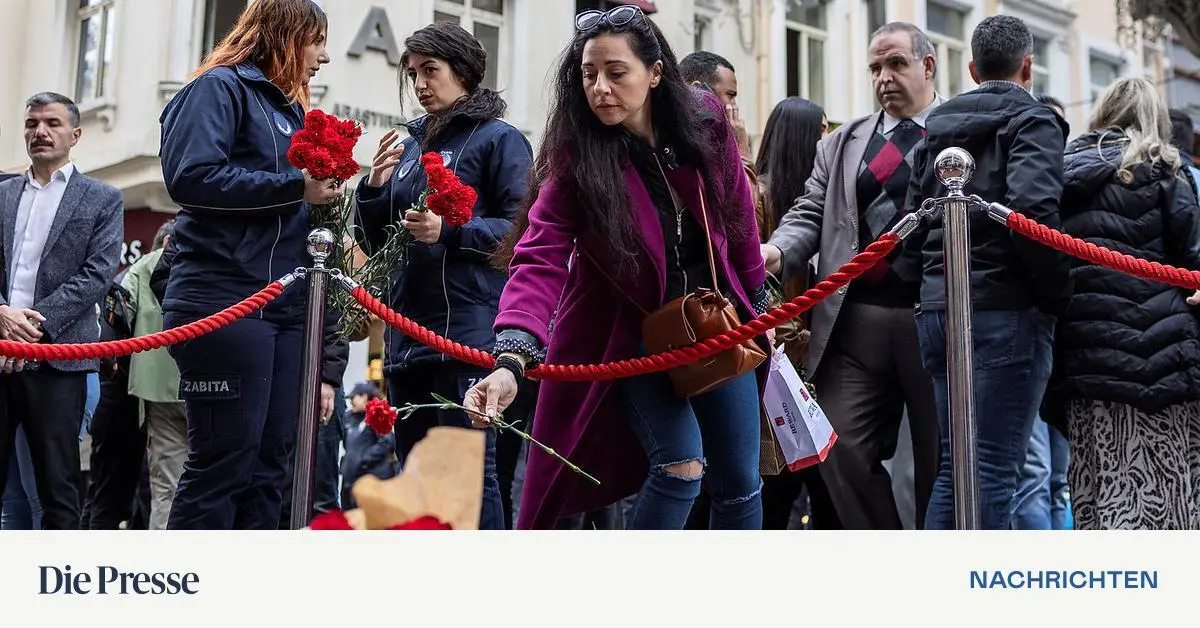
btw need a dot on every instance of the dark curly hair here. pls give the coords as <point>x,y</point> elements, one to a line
<point>587,157</point>
<point>467,58</point>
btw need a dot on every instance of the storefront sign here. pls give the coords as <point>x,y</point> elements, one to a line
<point>376,35</point>
<point>140,227</point>
<point>366,117</point>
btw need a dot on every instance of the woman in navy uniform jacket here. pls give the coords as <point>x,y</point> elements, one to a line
<point>448,285</point>
<point>242,224</point>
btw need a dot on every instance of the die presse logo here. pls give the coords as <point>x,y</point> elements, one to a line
<point>107,580</point>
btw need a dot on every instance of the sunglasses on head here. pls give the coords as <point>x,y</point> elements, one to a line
<point>616,17</point>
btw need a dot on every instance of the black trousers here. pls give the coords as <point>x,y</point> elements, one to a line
<point>118,448</point>
<point>450,380</point>
<point>241,384</point>
<point>50,404</point>
<point>870,374</point>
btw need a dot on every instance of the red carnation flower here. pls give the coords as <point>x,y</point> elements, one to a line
<point>435,168</point>
<point>325,146</point>
<point>453,204</point>
<point>381,417</point>
<point>448,196</point>
<point>332,520</point>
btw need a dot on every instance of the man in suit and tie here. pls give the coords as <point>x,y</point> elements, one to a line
<point>864,356</point>
<point>61,240</point>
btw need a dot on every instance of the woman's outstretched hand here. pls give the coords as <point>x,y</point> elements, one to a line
<point>491,396</point>
<point>385,160</point>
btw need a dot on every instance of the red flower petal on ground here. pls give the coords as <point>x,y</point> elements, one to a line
<point>381,417</point>
<point>332,520</point>
<point>422,523</point>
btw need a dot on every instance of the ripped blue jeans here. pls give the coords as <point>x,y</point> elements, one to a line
<point>719,430</point>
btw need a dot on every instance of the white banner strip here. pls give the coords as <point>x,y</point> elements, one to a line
<point>608,579</point>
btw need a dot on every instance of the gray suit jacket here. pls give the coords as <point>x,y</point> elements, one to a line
<point>825,221</point>
<point>81,256</point>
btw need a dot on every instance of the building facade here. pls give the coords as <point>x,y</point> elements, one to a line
<point>123,60</point>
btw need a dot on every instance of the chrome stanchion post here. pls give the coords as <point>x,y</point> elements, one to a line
<point>954,168</point>
<point>320,247</point>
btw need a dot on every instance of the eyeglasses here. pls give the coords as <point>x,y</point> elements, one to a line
<point>616,17</point>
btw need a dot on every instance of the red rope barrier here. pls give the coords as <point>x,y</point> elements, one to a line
<point>1073,246</point>
<point>115,348</point>
<point>649,364</point>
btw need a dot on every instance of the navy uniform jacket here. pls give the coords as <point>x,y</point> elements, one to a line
<point>450,286</point>
<point>243,220</point>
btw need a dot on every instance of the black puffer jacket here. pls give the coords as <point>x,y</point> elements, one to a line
<point>1125,339</point>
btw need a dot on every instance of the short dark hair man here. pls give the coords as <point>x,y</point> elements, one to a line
<point>57,263</point>
<point>1017,286</point>
<point>715,73</point>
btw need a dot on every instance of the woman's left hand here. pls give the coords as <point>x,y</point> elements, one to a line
<point>425,226</point>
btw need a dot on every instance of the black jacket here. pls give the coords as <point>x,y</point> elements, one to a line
<point>450,286</point>
<point>243,220</point>
<point>1125,339</point>
<point>1017,144</point>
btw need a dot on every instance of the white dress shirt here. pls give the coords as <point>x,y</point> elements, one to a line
<point>890,121</point>
<point>35,214</point>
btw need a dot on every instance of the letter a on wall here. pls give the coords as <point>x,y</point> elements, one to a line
<point>376,34</point>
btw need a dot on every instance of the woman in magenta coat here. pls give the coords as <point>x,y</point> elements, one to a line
<point>615,229</point>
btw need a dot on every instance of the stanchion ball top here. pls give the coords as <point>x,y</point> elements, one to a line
<point>320,244</point>
<point>954,167</point>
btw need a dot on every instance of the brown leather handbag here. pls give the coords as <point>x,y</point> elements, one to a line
<point>695,317</point>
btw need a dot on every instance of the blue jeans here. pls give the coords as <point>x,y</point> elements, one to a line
<point>718,429</point>
<point>93,400</point>
<point>1013,350</point>
<point>20,508</point>
<point>1060,494</point>
<point>1031,504</point>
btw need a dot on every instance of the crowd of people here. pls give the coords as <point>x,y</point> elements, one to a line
<point>643,193</point>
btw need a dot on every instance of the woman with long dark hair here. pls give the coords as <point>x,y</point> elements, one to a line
<point>632,164</point>
<point>785,161</point>
<point>785,157</point>
<point>242,224</point>
<point>448,283</point>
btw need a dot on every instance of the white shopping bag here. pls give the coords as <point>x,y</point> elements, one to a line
<point>803,431</point>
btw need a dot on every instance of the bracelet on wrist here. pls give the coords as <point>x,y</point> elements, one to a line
<point>511,364</point>
<point>520,346</point>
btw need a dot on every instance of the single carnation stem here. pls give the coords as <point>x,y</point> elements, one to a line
<point>408,410</point>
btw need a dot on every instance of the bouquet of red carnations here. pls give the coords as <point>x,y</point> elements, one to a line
<point>325,147</point>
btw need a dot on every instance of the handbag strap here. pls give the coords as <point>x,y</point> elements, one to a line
<point>712,263</point>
